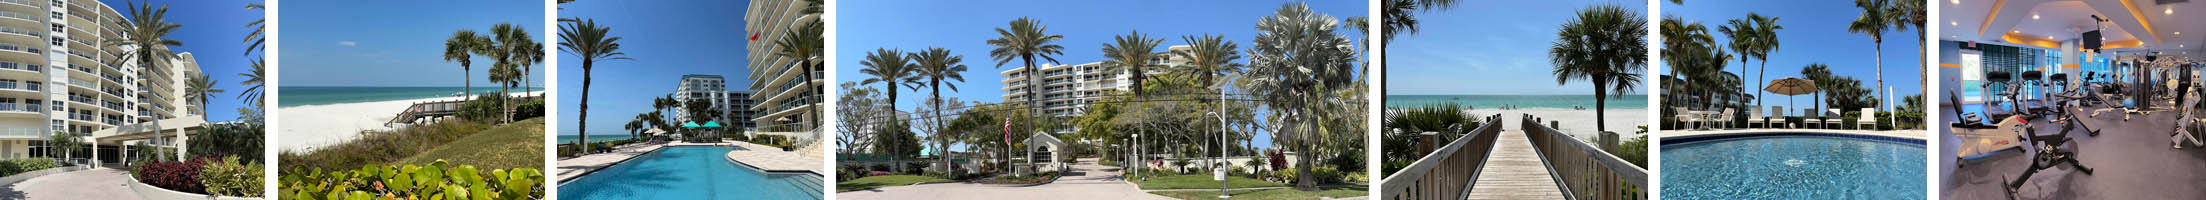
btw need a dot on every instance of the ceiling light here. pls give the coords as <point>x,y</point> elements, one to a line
<point>2170,10</point>
<point>1956,2</point>
<point>2033,15</point>
<point>2048,37</point>
<point>1954,23</point>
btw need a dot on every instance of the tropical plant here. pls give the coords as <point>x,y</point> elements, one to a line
<point>1820,74</point>
<point>1131,54</point>
<point>231,177</point>
<point>591,42</point>
<point>252,83</point>
<point>181,176</point>
<point>858,113</point>
<point>1025,40</point>
<point>892,69</point>
<point>1876,16</point>
<point>1296,58</point>
<point>228,139</point>
<point>1399,19</point>
<point>936,65</point>
<point>1908,14</point>
<point>12,166</point>
<point>1604,44</point>
<point>63,145</point>
<point>438,180</point>
<point>805,44</point>
<point>199,88</point>
<point>1211,56</point>
<point>515,51</point>
<point>146,32</point>
<point>462,48</point>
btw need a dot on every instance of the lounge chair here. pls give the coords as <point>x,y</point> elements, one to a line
<point>1724,119</point>
<point>1756,117</point>
<point>1868,117</point>
<point>1838,119</point>
<point>1779,113</point>
<point>1809,119</point>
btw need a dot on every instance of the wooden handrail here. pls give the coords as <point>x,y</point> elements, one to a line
<point>1447,172</point>
<point>1585,171</point>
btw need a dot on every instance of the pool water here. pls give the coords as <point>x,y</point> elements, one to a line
<point>1793,167</point>
<point>689,172</point>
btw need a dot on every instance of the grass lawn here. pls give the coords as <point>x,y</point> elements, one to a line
<point>513,145</point>
<point>1287,193</point>
<point>1202,181</point>
<point>871,182</point>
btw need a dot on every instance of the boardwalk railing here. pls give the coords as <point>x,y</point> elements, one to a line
<point>439,109</point>
<point>1447,172</point>
<point>1584,170</point>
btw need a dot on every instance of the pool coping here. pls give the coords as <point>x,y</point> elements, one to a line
<point>1667,141</point>
<point>1920,137</point>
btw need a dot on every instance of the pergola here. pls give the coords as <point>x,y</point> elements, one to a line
<point>178,128</point>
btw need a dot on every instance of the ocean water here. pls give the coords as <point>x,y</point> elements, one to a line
<point>316,95</point>
<point>1521,101</point>
<point>596,137</point>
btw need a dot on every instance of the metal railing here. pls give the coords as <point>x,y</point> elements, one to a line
<point>1446,172</point>
<point>1584,170</point>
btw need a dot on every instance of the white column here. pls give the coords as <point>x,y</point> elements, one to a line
<point>182,138</point>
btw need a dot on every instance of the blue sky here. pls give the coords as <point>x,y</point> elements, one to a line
<point>965,27</point>
<point>1497,47</point>
<point>667,40</point>
<point>1815,31</point>
<point>393,43</point>
<point>213,32</point>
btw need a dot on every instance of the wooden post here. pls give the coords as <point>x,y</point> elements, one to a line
<point>1428,142</point>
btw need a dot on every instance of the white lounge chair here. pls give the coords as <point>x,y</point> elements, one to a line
<point>1779,113</point>
<point>1724,118</point>
<point>1753,118</point>
<point>1838,118</point>
<point>1868,117</point>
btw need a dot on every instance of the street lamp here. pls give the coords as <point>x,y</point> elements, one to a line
<point>1219,171</point>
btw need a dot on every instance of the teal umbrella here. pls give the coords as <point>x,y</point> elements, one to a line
<point>689,124</point>
<point>711,124</point>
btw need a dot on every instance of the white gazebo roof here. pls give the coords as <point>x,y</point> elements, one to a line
<point>1041,137</point>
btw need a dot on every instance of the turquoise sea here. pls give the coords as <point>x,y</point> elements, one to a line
<point>1521,101</point>
<point>323,95</point>
<point>595,137</point>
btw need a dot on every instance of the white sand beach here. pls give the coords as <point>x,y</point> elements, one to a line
<point>1580,123</point>
<point>304,127</point>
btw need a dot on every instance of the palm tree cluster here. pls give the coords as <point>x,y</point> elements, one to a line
<point>513,53</point>
<point>1689,49</point>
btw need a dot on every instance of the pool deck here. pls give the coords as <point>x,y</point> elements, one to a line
<point>575,167</point>
<point>1910,134</point>
<point>773,159</point>
<point>2132,160</point>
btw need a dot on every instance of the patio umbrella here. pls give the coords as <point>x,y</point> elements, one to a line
<point>1790,86</point>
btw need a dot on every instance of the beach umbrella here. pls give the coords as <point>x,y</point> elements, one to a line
<point>1790,86</point>
<point>712,124</point>
<point>689,124</point>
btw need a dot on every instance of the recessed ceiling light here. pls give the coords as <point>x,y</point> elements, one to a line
<point>2033,15</point>
<point>1955,23</point>
<point>2170,10</point>
<point>2048,37</point>
<point>1956,2</point>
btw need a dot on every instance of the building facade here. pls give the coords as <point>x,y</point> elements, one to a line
<point>1066,90</point>
<point>733,105</point>
<point>55,78</point>
<point>784,101</point>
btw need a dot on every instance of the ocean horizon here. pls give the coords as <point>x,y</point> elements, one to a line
<point>1521,101</point>
<point>291,96</point>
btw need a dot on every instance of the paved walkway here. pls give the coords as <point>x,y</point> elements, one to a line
<point>1514,170</point>
<point>1086,181</point>
<point>574,167</point>
<point>98,183</point>
<point>772,159</point>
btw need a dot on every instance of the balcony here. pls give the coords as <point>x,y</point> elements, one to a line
<point>31,3</point>
<point>20,48</point>
<point>24,133</point>
<point>21,16</point>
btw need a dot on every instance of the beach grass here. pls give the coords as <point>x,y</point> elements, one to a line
<point>871,182</point>
<point>512,145</point>
<point>1284,193</point>
<point>1201,181</point>
<point>380,146</point>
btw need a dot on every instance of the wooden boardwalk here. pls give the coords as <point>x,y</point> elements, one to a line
<point>1514,171</point>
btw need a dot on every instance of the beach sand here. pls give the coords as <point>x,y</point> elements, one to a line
<point>305,127</point>
<point>1580,123</point>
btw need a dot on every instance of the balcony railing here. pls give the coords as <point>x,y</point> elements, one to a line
<point>1447,170</point>
<point>5,29</point>
<point>32,3</point>
<point>17,15</point>
<point>15,47</point>
<point>1586,171</point>
<point>24,132</point>
<point>21,66</point>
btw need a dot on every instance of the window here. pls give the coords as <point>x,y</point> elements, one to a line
<point>57,28</point>
<point>57,15</point>
<point>57,41</point>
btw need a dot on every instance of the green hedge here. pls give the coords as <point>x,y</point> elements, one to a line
<point>229,139</point>
<point>12,166</point>
<point>230,177</point>
<point>438,180</point>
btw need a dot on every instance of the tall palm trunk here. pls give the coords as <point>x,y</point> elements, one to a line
<point>582,125</point>
<point>1742,72</point>
<point>1600,102</point>
<point>1881,97</point>
<point>942,142</point>
<point>1032,109</point>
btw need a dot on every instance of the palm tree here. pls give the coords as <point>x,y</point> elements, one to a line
<point>145,32</point>
<point>1212,56</point>
<point>1875,17</point>
<point>1743,39</point>
<point>252,93</point>
<point>1025,40</point>
<point>892,69</point>
<point>1909,13</point>
<point>661,105</point>
<point>1295,62</point>
<point>199,88</point>
<point>1681,42</point>
<point>1604,44</point>
<point>1133,52</point>
<point>635,127</point>
<point>591,42</point>
<point>936,65</point>
<point>805,45</point>
<point>1765,41</point>
<point>462,48</point>
<point>515,51</point>
<point>1818,73</point>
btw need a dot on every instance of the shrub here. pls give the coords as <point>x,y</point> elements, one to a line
<point>531,109</point>
<point>380,146</point>
<point>438,180</point>
<point>484,108</point>
<point>1325,174</point>
<point>179,176</point>
<point>229,139</point>
<point>1356,178</point>
<point>230,177</point>
<point>14,166</point>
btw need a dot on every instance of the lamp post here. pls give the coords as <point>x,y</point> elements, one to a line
<point>1218,170</point>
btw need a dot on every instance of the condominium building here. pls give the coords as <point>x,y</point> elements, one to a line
<point>784,100</point>
<point>733,105</point>
<point>54,76</point>
<point>1067,90</point>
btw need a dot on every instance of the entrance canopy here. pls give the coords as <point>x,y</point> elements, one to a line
<point>147,130</point>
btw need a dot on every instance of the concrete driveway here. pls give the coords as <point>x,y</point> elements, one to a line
<point>96,183</point>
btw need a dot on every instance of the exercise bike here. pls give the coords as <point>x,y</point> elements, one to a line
<point>2050,150</point>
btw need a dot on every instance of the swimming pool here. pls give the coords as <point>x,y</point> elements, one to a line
<point>689,172</point>
<point>1793,166</point>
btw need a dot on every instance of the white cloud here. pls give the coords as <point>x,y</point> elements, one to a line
<point>348,43</point>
